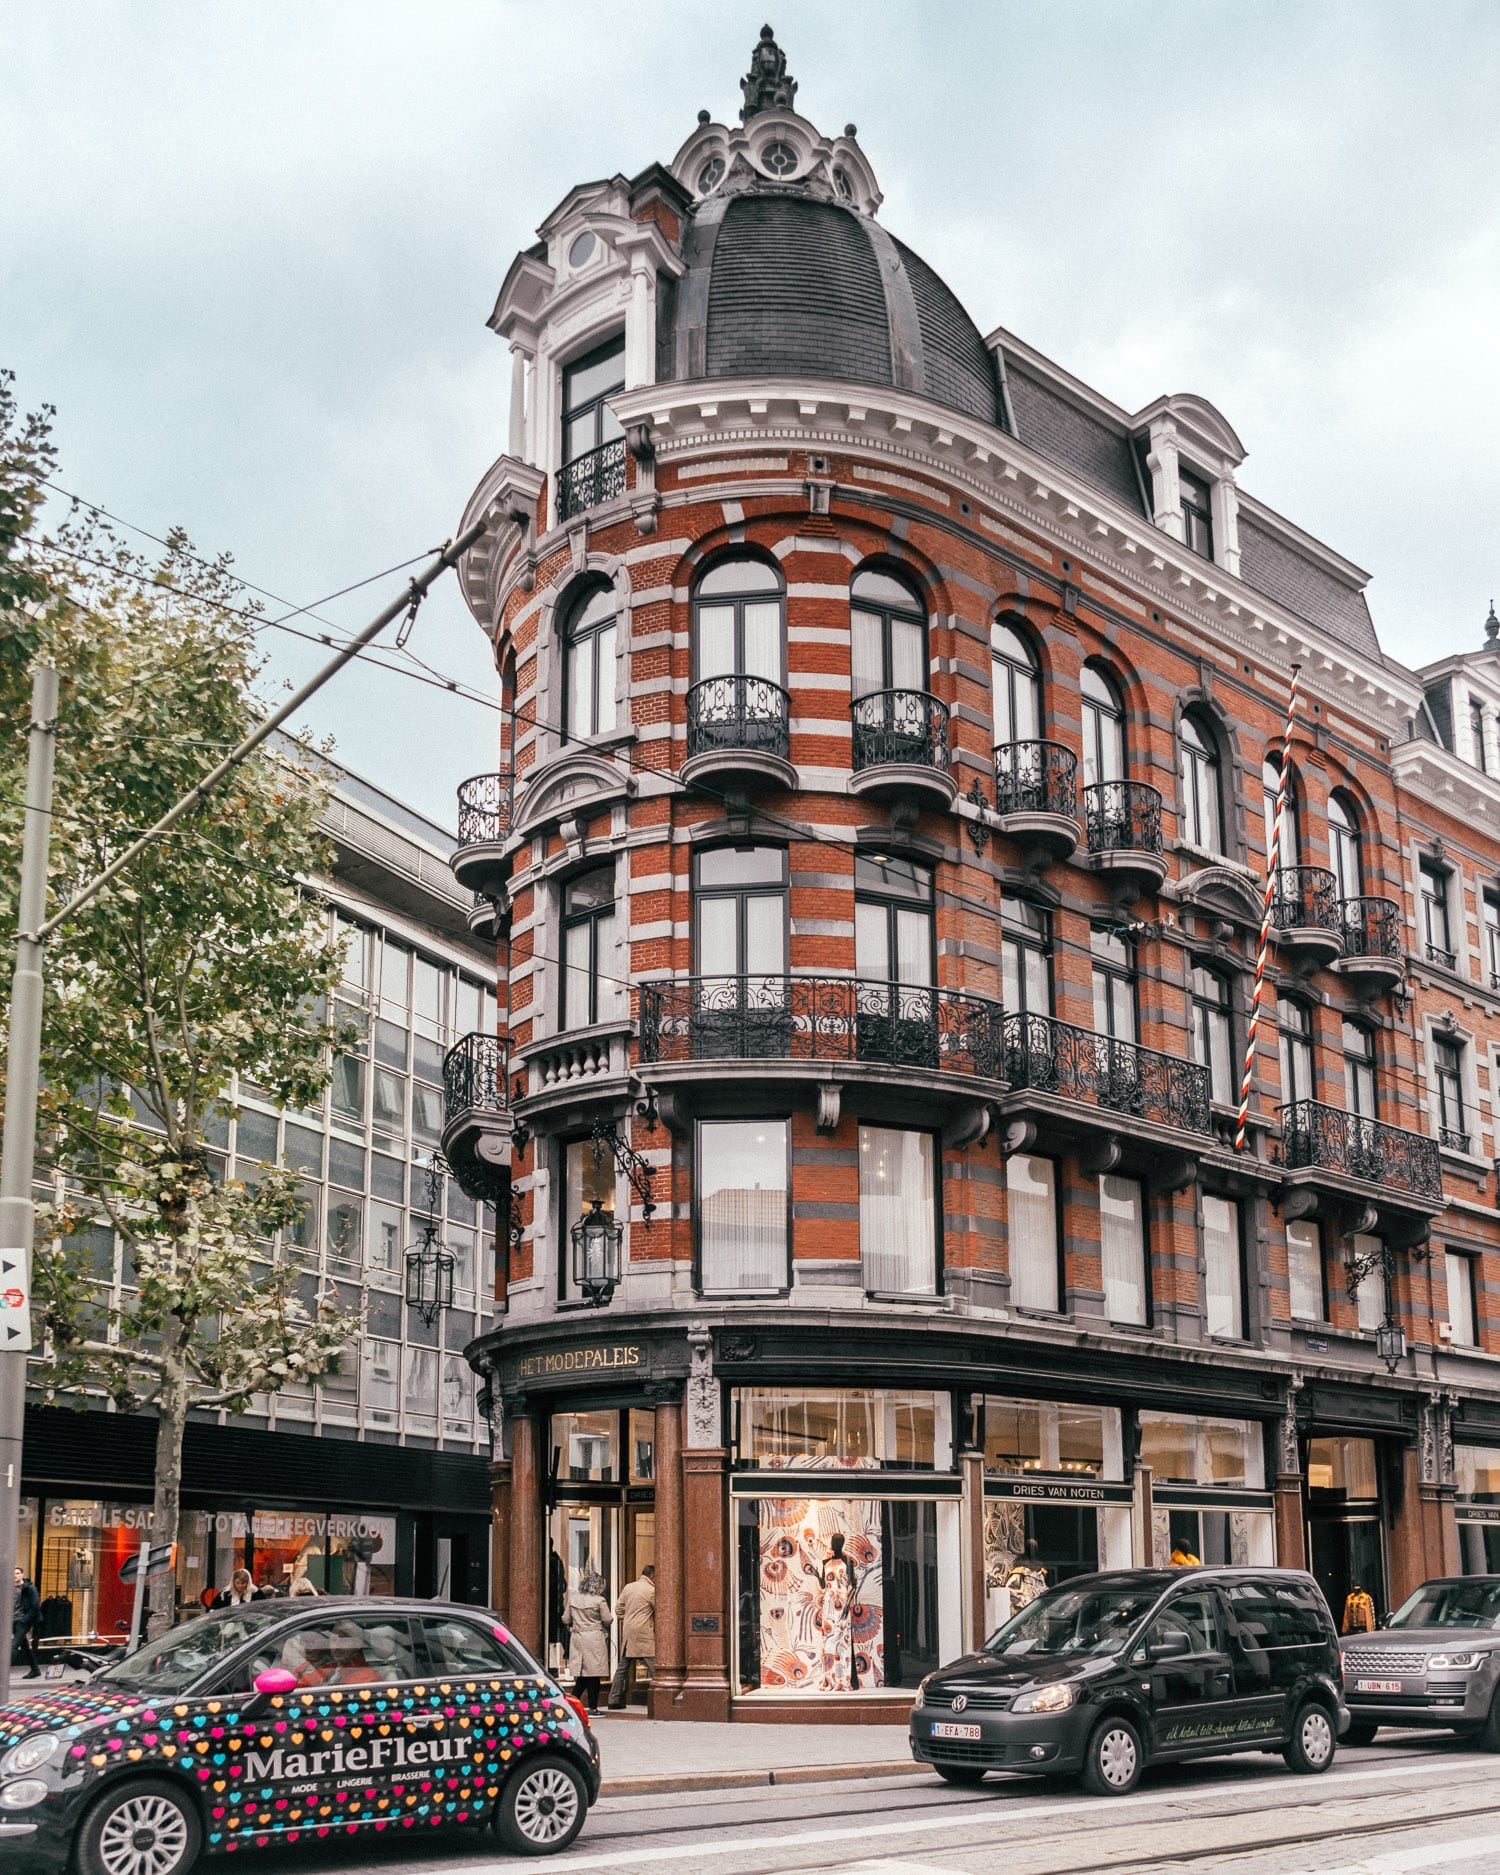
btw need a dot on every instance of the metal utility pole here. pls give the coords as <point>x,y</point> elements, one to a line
<point>23,1062</point>
<point>18,1158</point>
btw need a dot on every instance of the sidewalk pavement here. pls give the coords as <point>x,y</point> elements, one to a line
<point>644,1756</point>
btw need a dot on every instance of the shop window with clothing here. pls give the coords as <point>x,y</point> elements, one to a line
<point>1476,1476</point>
<point>1346,1530</point>
<point>899,1219</point>
<point>1031,1232</point>
<point>849,1584</point>
<point>1056,1501</point>
<point>741,1186</point>
<point>1208,1489</point>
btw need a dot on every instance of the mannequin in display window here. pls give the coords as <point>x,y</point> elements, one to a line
<point>1359,1611</point>
<point>1027,1579</point>
<point>835,1621</point>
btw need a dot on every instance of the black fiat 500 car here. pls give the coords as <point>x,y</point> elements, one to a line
<point>1106,1674</point>
<point>287,1722</point>
<point>1435,1663</point>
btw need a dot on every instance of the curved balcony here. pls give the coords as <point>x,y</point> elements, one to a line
<point>1036,797</point>
<point>893,1039</point>
<point>900,747</point>
<point>1122,824</point>
<point>589,481</point>
<point>1373,959</point>
<point>485,812</point>
<point>1305,916</point>
<point>1367,1175</point>
<point>739,729</point>
<point>477,1120</point>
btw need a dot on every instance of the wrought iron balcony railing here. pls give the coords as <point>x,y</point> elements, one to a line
<point>1306,898</point>
<point>485,804</point>
<point>1454,1138</point>
<point>1123,817</point>
<point>1439,954</point>
<point>1371,927</point>
<point>1036,778</point>
<point>591,480</point>
<point>476,1076</point>
<point>1052,1057</point>
<point>1332,1140</point>
<point>820,1018</point>
<point>908,728</point>
<point>738,714</point>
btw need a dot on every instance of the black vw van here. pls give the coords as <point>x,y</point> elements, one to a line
<point>1109,1673</point>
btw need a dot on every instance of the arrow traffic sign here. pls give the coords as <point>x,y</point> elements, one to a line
<point>15,1303</point>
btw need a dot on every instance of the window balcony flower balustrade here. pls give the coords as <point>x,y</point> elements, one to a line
<point>1036,797</point>
<point>900,747</point>
<point>1306,921</point>
<point>1084,1069</point>
<point>1368,1175</point>
<point>1371,930</point>
<point>1122,826</point>
<point>821,1021</point>
<point>485,812</point>
<point>477,1119</point>
<point>591,480</point>
<point>739,729</point>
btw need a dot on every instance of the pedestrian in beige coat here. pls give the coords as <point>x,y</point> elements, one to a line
<point>588,1616</point>
<point>636,1607</point>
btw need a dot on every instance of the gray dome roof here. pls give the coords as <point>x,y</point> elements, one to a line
<point>787,285</point>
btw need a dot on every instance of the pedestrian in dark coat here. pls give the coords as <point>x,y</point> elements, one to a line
<point>25,1619</point>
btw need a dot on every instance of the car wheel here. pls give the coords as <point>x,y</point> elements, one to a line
<point>1313,1741</point>
<point>960,1773</point>
<point>1487,1738</point>
<point>1112,1762</point>
<point>144,1827</point>
<point>1358,1736</point>
<point>542,1808</point>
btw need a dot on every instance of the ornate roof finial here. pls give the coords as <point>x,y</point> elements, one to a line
<point>1492,630</point>
<point>766,87</point>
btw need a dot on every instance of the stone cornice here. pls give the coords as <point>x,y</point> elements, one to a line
<point>1446,782</point>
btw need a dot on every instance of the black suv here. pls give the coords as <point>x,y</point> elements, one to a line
<point>289,1721</point>
<point>1108,1673</point>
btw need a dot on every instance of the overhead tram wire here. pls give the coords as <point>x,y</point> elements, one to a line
<point>434,679</point>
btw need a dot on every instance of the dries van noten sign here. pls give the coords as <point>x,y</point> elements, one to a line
<point>593,1358</point>
<point>1057,1491</point>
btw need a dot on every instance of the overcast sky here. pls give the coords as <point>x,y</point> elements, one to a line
<point>248,251</point>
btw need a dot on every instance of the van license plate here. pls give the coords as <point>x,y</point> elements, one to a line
<point>1377,1686</point>
<point>955,1731</point>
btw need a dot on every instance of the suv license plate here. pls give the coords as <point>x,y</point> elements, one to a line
<point>955,1731</point>
<point>1377,1686</point>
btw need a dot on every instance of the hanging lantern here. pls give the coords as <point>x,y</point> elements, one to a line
<point>1390,1344</point>
<point>429,1278</point>
<point>597,1241</point>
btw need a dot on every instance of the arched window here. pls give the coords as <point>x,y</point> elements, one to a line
<point>738,622</point>
<point>1291,826</point>
<point>888,631</point>
<point>589,665</point>
<point>1343,846</point>
<point>1202,800</point>
<point>1103,728</point>
<point>1016,687</point>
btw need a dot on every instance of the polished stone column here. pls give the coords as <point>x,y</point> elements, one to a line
<point>975,1620</point>
<point>666,1683</point>
<point>705,1570</point>
<point>527,1578</point>
<point>500,1520</point>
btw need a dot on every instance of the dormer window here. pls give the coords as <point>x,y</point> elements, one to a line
<point>593,444</point>
<point>1197,513</point>
<point>1476,736</point>
<point>711,175</point>
<point>580,249</point>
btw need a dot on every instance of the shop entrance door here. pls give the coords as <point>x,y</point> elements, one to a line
<point>1346,1529</point>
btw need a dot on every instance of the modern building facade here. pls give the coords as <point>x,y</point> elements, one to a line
<point>375,1478</point>
<point>878,849</point>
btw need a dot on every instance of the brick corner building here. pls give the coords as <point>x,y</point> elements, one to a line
<point>878,846</point>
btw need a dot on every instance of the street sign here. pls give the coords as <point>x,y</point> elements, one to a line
<point>161,1563</point>
<point>15,1303</point>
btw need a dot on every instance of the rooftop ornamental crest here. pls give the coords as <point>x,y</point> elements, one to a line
<point>766,86</point>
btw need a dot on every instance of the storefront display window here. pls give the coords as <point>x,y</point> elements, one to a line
<point>1181,1450</point>
<point>1343,1465</point>
<point>1021,1436</point>
<point>642,1446</point>
<point>1476,1473</point>
<point>842,1595</point>
<point>853,1428</point>
<point>585,1447</point>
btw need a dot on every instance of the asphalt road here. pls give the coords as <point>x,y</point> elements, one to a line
<point>1417,1805</point>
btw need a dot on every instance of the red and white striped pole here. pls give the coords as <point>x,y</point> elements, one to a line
<point>1273,865</point>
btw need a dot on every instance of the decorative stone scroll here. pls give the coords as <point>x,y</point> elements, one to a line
<point>704,1418</point>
